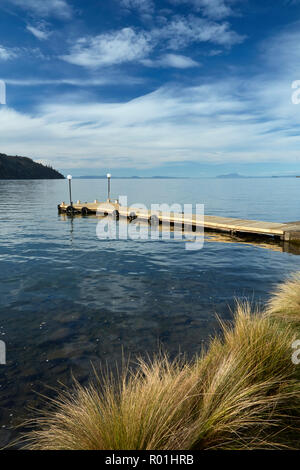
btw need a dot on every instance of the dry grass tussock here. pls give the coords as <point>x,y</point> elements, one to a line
<point>285,301</point>
<point>242,393</point>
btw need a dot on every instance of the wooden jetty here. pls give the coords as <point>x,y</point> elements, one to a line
<point>287,232</point>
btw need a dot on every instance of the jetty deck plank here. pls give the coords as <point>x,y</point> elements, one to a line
<point>285,231</point>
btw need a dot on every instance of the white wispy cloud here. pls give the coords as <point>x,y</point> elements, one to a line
<point>44,8</point>
<point>111,79</point>
<point>32,82</point>
<point>14,53</point>
<point>144,7</point>
<point>216,9</point>
<point>283,50</point>
<point>182,31</point>
<point>222,121</point>
<point>7,53</point>
<point>130,44</point>
<point>172,60</point>
<point>125,45</point>
<point>39,31</point>
<point>227,119</point>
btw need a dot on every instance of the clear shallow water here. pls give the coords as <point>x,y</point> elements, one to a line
<point>68,299</point>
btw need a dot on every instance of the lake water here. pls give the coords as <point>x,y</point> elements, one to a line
<point>68,299</point>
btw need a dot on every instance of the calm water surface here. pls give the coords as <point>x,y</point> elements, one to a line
<point>68,299</point>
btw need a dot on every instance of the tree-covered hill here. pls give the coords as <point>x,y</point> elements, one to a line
<point>18,168</point>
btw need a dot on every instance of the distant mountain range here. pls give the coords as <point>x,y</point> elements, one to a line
<point>238,176</point>
<point>232,175</point>
<point>19,168</point>
<point>228,176</point>
<point>16,167</point>
<point>101,177</point>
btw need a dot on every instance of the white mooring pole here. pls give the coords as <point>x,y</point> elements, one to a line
<point>108,186</point>
<point>69,177</point>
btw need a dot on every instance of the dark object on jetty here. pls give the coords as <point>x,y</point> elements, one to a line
<point>115,214</point>
<point>132,216</point>
<point>24,168</point>
<point>153,220</point>
<point>85,211</point>
<point>72,211</point>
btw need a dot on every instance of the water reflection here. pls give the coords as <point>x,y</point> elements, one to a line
<point>266,242</point>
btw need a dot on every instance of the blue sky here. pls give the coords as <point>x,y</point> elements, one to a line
<point>148,87</point>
